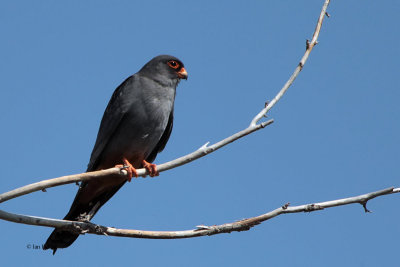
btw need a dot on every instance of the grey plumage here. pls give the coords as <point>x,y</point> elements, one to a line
<point>136,125</point>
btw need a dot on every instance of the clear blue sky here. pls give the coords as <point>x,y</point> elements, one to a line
<point>336,132</point>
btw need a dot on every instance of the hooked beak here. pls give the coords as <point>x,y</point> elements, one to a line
<point>182,74</point>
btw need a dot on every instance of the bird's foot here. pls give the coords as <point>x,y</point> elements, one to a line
<point>83,218</point>
<point>151,168</point>
<point>129,168</point>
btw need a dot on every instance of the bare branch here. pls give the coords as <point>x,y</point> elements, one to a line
<point>42,185</point>
<point>113,172</point>
<point>201,230</point>
<point>309,47</point>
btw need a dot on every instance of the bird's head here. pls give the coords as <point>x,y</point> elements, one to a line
<point>164,69</point>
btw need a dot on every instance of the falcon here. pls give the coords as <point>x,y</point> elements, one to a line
<point>135,127</point>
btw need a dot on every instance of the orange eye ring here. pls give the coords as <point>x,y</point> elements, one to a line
<point>173,64</point>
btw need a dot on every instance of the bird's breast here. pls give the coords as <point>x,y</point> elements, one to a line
<point>139,133</point>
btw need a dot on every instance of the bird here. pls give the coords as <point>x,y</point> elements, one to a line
<point>135,127</point>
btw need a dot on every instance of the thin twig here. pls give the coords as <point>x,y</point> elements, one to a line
<point>309,47</point>
<point>201,230</point>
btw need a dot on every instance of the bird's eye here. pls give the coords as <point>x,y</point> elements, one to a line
<point>173,64</point>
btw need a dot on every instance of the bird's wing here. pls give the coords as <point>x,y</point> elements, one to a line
<point>164,138</point>
<point>112,117</point>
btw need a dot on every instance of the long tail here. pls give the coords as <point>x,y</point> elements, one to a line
<point>81,210</point>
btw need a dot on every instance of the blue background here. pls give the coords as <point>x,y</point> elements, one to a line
<point>336,131</point>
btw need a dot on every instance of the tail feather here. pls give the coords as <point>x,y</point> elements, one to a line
<point>60,238</point>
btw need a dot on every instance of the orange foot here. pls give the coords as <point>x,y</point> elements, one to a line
<point>129,168</point>
<point>151,168</point>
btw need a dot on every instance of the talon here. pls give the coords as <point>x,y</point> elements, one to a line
<point>129,168</point>
<point>151,168</point>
